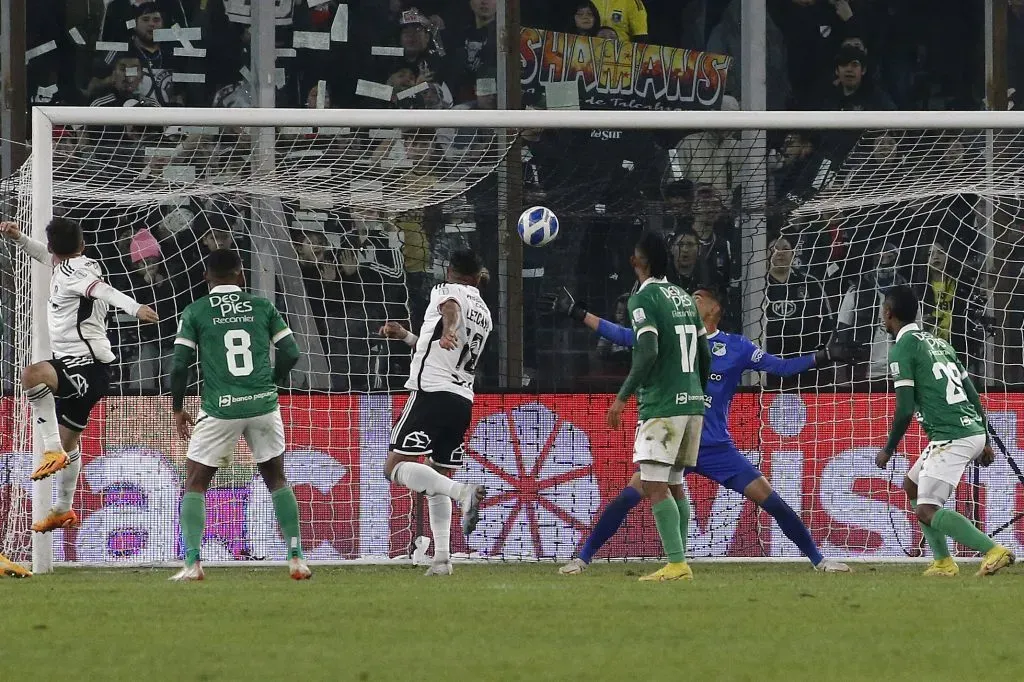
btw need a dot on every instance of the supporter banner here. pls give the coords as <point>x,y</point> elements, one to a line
<point>549,464</point>
<point>620,75</point>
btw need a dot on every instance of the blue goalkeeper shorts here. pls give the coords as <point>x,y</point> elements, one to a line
<point>725,465</point>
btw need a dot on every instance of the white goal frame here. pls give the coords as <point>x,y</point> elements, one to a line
<point>44,119</point>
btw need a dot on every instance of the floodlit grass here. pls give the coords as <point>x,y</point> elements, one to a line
<point>509,622</point>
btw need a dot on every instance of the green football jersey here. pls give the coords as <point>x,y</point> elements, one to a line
<point>233,330</point>
<point>673,386</point>
<point>929,365</point>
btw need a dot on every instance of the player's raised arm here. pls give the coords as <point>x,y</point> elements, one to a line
<point>563,303</point>
<point>35,249</point>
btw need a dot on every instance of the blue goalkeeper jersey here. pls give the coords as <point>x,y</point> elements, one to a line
<point>731,356</point>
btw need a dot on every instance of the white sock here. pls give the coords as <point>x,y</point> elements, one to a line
<point>440,525</point>
<point>423,479</point>
<point>44,416</point>
<point>67,482</point>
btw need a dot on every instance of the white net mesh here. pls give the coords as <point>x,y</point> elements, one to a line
<point>799,233</point>
<point>330,226</point>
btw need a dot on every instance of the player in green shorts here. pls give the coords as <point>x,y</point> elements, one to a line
<point>927,373</point>
<point>671,365</point>
<point>233,331</point>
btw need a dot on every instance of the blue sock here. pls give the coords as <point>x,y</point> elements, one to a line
<point>792,526</point>
<point>610,520</point>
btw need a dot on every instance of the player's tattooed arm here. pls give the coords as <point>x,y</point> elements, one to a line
<point>449,325</point>
<point>900,423</point>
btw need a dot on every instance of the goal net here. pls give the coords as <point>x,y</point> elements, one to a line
<point>345,220</point>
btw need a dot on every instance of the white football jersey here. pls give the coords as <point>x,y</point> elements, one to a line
<point>78,323</point>
<point>436,369</point>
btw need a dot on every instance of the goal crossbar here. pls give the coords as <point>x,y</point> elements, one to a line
<point>405,118</point>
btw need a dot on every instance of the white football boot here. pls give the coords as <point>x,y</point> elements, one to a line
<point>439,568</point>
<point>470,506</point>
<point>299,569</point>
<point>189,574</point>
<point>832,566</point>
<point>574,567</point>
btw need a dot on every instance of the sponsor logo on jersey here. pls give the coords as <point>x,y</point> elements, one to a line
<point>684,398</point>
<point>783,308</point>
<point>894,368</point>
<point>416,440</point>
<point>229,400</point>
<point>756,357</point>
<point>616,16</point>
<point>718,349</point>
<point>707,402</point>
<point>639,316</point>
<point>714,377</point>
<point>231,304</point>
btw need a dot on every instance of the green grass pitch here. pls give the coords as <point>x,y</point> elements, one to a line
<point>513,622</point>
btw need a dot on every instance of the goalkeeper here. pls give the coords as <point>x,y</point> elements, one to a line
<point>718,460</point>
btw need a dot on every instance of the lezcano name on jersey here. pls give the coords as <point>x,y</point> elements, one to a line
<point>232,308</point>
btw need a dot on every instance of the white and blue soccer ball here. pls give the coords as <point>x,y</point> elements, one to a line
<point>538,226</point>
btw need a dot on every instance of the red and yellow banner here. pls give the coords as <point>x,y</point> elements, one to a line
<point>620,75</point>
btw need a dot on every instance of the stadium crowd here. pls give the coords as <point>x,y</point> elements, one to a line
<point>825,273</point>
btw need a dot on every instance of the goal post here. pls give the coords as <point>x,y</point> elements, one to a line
<point>341,183</point>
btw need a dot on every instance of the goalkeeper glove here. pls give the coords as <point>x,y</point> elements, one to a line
<point>563,303</point>
<point>842,353</point>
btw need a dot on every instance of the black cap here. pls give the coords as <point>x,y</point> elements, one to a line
<point>850,53</point>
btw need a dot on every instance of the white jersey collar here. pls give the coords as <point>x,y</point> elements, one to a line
<point>907,328</point>
<point>653,280</point>
<point>225,288</point>
<point>717,332</point>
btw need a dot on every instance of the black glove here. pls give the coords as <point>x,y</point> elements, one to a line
<point>562,303</point>
<point>842,353</point>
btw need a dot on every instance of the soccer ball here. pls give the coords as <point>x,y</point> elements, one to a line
<point>538,226</point>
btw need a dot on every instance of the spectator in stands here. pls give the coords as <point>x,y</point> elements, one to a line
<point>476,49</point>
<point>157,66</point>
<point>147,349</point>
<point>712,225</point>
<point>797,315</point>
<point>851,92</point>
<point>813,31</point>
<point>613,359</point>
<point>628,18</point>
<point>586,20</point>
<point>687,268</point>
<point>939,293</point>
<point>321,278</point>
<point>713,157</point>
<point>424,54</point>
<point>121,87</point>
<point>728,38</point>
<point>120,13</point>
<point>860,313</point>
<point>678,197</point>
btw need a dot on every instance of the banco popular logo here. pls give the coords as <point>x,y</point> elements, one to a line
<point>541,489</point>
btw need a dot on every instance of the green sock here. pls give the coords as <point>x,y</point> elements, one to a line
<point>936,540</point>
<point>956,526</point>
<point>193,520</point>
<point>286,509</point>
<point>666,517</point>
<point>683,505</point>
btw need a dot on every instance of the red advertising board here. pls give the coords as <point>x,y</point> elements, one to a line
<point>549,463</point>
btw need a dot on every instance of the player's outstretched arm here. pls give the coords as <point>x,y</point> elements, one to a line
<point>563,303</point>
<point>286,359</point>
<point>89,285</point>
<point>35,249</point>
<point>900,423</point>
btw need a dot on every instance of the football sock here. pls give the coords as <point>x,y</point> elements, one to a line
<point>935,539</point>
<point>193,522</point>
<point>610,521</point>
<point>792,526</point>
<point>440,525</point>
<point>958,527</point>
<point>286,509</point>
<point>44,416</point>
<point>684,520</point>
<point>67,482</point>
<point>666,517</point>
<point>423,479</point>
